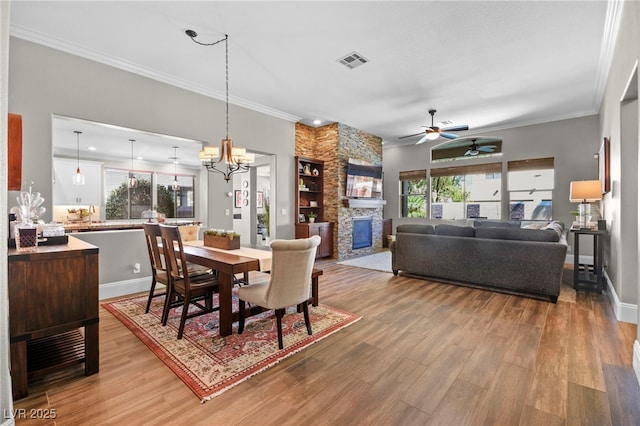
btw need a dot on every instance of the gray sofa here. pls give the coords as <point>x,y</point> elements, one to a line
<point>493,254</point>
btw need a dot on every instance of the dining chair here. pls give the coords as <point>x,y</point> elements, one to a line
<point>181,283</point>
<point>288,284</point>
<point>189,232</point>
<point>158,267</point>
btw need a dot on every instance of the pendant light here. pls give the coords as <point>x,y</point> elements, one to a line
<point>133,182</point>
<point>78,178</point>
<point>230,159</point>
<point>176,184</point>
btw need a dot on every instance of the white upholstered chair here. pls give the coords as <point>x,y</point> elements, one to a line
<point>288,284</point>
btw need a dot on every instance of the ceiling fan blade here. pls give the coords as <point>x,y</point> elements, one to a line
<point>411,136</point>
<point>422,140</point>
<point>459,128</point>
<point>449,135</point>
<point>487,148</point>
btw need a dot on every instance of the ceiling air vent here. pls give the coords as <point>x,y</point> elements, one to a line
<point>352,60</point>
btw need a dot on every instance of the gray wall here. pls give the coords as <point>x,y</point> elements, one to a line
<point>572,143</point>
<point>44,81</point>
<point>622,125</point>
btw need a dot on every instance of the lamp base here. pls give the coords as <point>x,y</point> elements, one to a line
<point>585,214</point>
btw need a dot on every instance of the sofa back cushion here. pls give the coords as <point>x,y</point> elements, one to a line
<point>415,228</point>
<point>455,231</point>
<point>490,223</point>
<point>523,234</point>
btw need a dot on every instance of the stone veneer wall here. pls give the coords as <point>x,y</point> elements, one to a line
<point>335,144</point>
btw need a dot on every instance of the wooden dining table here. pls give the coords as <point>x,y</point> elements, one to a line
<point>228,265</point>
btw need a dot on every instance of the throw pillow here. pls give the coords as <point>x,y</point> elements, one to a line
<point>557,227</point>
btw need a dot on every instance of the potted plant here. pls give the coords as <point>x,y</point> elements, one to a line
<point>312,217</point>
<point>226,240</point>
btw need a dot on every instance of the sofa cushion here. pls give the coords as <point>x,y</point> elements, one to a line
<point>415,228</point>
<point>455,231</point>
<point>557,227</point>
<point>522,234</point>
<point>490,223</point>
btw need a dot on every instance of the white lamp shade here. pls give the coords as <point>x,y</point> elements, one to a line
<point>585,191</point>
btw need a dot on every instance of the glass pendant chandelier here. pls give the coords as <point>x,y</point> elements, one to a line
<point>175,184</point>
<point>133,182</point>
<point>228,159</point>
<point>78,178</point>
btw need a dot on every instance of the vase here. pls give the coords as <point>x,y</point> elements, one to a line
<point>26,237</point>
<point>312,220</point>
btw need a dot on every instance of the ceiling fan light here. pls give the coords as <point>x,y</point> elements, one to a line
<point>432,136</point>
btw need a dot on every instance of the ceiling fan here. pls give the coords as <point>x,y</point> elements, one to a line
<point>433,132</point>
<point>477,149</point>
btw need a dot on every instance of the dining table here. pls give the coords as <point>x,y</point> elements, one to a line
<point>227,263</point>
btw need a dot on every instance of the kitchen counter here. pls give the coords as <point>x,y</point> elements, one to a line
<point>114,226</point>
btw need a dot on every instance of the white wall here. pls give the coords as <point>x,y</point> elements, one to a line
<point>6,400</point>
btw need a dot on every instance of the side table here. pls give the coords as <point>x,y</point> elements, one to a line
<point>585,276</point>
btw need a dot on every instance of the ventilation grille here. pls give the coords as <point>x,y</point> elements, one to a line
<point>353,60</point>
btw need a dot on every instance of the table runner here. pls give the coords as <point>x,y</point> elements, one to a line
<point>263,256</point>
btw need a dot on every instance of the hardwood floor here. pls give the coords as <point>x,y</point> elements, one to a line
<point>424,353</point>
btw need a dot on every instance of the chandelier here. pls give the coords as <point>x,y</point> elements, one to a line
<point>78,177</point>
<point>227,159</point>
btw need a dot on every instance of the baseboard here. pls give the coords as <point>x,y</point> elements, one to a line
<point>625,312</point>
<point>636,359</point>
<point>122,288</point>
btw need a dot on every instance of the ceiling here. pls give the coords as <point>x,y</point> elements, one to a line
<point>490,65</point>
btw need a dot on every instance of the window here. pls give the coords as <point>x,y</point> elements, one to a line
<point>124,203</point>
<point>413,193</point>
<point>175,203</point>
<point>531,185</point>
<point>466,192</point>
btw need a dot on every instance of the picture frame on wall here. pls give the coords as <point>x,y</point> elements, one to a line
<point>301,218</point>
<point>238,198</point>
<point>259,199</point>
<point>604,165</point>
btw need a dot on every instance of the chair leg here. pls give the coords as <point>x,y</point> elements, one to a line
<point>305,309</point>
<point>241,316</point>
<point>168,296</point>
<point>279,314</point>
<point>183,317</point>
<point>151,291</point>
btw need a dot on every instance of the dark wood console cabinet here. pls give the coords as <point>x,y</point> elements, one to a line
<point>322,229</point>
<point>53,293</point>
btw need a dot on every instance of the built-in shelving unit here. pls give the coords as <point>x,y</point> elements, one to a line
<point>310,202</point>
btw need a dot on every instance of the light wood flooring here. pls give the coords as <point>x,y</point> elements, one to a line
<point>424,353</point>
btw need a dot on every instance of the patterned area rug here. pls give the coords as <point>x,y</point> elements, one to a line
<point>209,364</point>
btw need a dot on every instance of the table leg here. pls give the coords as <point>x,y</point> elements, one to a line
<point>576,260</point>
<point>225,283</point>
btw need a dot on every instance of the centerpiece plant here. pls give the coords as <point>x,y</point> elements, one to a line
<point>226,240</point>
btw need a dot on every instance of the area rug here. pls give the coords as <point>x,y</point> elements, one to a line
<point>380,261</point>
<point>209,364</point>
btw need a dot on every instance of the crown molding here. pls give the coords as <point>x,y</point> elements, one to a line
<point>94,55</point>
<point>610,34</point>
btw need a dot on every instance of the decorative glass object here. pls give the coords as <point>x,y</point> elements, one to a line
<point>28,212</point>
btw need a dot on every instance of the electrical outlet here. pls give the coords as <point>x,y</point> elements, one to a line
<point>136,268</point>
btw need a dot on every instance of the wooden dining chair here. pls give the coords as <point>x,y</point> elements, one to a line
<point>288,284</point>
<point>158,265</point>
<point>181,283</point>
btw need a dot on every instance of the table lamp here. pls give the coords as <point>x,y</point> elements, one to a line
<point>585,192</point>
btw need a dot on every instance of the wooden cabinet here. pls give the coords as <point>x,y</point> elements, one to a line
<point>65,193</point>
<point>309,202</point>
<point>324,230</point>
<point>387,229</point>
<point>53,293</point>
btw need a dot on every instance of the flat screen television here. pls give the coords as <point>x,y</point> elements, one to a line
<point>364,180</point>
